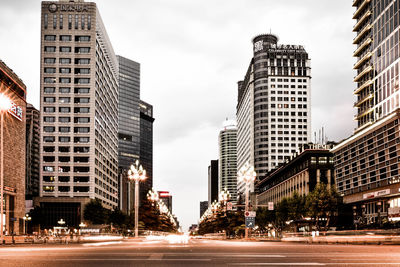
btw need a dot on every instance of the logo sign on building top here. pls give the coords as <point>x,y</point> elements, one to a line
<point>68,8</point>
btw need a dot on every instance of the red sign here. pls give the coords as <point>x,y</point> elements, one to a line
<point>163,194</point>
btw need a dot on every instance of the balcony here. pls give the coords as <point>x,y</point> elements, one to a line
<point>361,34</point>
<point>358,116</point>
<point>359,102</point>
<point>362,60</point>
<point>360,8</point>
<point>361,47</point>
<point>355,2</point>
<point>361,20</point>
<point>365,71</point>
<point>364,85</point>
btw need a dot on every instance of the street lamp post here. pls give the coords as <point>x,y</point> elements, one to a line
<point>136,173</point>
<point>26,218</point>
<point>247,175</point>
<point>224,196</point>
<point>5,104</point>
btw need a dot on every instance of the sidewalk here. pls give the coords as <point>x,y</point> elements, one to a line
<point>350,239</point>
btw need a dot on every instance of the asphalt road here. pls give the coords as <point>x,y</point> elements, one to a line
<point>199,253</point>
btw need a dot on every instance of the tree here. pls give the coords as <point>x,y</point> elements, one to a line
<point>296,208</point>
<point>118,218</point>
<point>322,203</point>
<point>95,213</point>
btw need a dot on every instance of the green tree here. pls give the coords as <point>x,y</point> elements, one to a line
<point>118,218</point>
<point>95,213</point>
<point>322,203</point>
<point>296,208</point>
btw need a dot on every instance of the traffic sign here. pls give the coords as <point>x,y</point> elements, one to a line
<point>270,205</point>
<point>250,222</point>
<point>229,206</point>
<point>250,214</point>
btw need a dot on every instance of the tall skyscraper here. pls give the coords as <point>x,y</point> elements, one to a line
<point>213,182</point>
<point>273,110</point>
<point>146,145</point>
<point>13,151</point>
<point>366,163</point>
<point>227,159</point>
<point>203,207</point>
<point>32,152</point>
<point>79,112</point>
<point>128,127</point>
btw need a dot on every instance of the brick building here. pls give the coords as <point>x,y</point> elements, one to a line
<point>14,150</point>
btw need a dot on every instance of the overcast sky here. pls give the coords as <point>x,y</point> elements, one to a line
<point>192,53</point>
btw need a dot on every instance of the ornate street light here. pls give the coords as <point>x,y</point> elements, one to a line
<point>26,219</point>
<point>136,173</point>
<point>152,196</point>
<point>248,175</point>
<point>5,105</point>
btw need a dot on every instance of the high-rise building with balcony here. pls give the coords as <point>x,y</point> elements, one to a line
<point>227,159</point>
<point>274,105</point>
<point>79,112</point>
<point>366,163</point>
<point>32,152</point>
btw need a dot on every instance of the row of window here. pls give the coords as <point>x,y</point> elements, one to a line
<point>67,80</point>
<point>65,159</point>
<point>67,70</point>
<point>66,169</point>
<point>67,49</point>
<point>77,189</point>
<point>66,119</point>
<point>60,20</point>
<point>66,179</point>
<point>77,100</point>
<point>66,129</point>
<point>66,110</point>
<point>67,38</point>
<point>66,90</point>
<point>65,139</point>
<point>78,61</point>
<point>66,149</point>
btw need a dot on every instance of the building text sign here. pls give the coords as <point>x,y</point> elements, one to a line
<point>376,194</point>
<point>16,111</point>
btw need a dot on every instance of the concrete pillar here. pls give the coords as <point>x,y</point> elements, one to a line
<point>328,175</point>
<point>318,176</point>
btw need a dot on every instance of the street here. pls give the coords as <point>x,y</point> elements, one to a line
<point>198,252</point>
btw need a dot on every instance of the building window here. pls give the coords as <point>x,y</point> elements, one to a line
<point>64,139</point>
<point>50,49</point>
<point>69,22</point>
<point>89,22</point>
<point>65,49</point>
<point>61,22</point>
<point>48,168</point>
<point>64,109</point>
<point>65,80</point>
<point>54,22</point>
<point>64,119</point>
<point>81,139</point>
<point>82,38</point>
<point>49,80</point>
<point>49,129</point>
<point>49,139</point>
<point>49,70</point>
<point>82,71</point>
<point>50,109</point>
<point>65,61</point>
<point>64,90</point>
<point>65,70</point>
<point>49,99</point>
<point>81,149</point>
<point>81,61</point>
<point>81,130</point>
<point>76,21</point>
<point>46,21</point>
<point>82,80</point>
<point>49,60</point>
<point>64,129</point>
<point>82,50</point>
<point>81,100</point>
<point>82,90</point>
<point>49,119</point>
<point>63,179</point>
<point>83,22</point>
<point>82,120</point>
<point>65,38</point>
<point>49,148</point>
<point>48,188</point>
<point>81,110</point>
<point>49,37</point>
<point>64,99</point>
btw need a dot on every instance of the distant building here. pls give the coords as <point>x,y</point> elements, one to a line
<point>274,105</point>
<point>312,165</point>
<point>203,207</point>
<point>227,159</point>
<point>128,127</point>
<point>14,150</point>
<point>32,179</point>
<point>213,182</point>
<point>146,146</point>
<point>166,198</point>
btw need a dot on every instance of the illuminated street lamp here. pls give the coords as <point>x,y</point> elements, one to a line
<point>26,219</point>
<point>136,173</point>
<point>224,196</point>
<point>248,175</point>
<point>5,105</point>
<point>152,196</point>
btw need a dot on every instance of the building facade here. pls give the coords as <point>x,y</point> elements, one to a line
<point>366,168</point>
<point>128,127</point>
<point>13,152</point>
<point>228,159</point>
<point>146,146</point>
<point>313,164</point>
<point>274,105</point>
<point>79,112</point>
<point>32,179</point>
<point>213,182</point>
